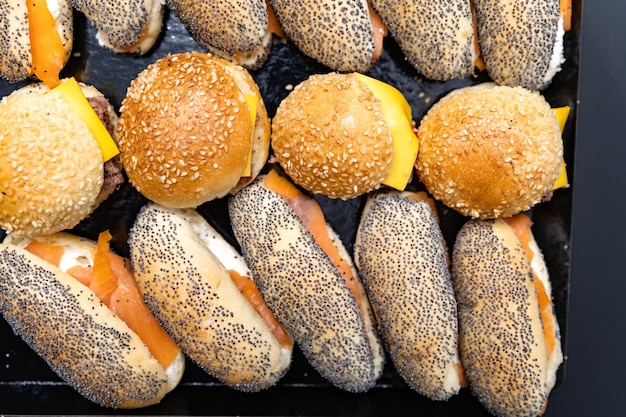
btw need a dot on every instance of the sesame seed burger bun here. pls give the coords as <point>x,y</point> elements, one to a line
<point>489,151</point>
<point>52,174</point>
<point>185,131</point>
<point>329,136</point>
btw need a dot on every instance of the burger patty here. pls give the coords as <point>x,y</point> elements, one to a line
<point>113,176</point>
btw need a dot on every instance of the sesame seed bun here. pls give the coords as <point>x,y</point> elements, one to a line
<point>185,132</point>
<point>489,151</point>
<point>53,171</point>
<point>15,52</point>
<point>330,137</point>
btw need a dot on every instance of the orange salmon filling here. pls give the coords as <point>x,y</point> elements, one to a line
<point>380,31</point>
<point>46,46</point>
<point>521,226</point>
<point>566,14</point>
<point>312,217</point>
<point>115,285</point>
<point>249,289</point>
<point>272,22</point>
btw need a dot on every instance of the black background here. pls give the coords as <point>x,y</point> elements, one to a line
<point>594,383</point>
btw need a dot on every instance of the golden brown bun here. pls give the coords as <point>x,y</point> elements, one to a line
<point>15,55</point>
<point>185,132</point>
<point>437,37</point>
<point>489,151</point>
<point>105,361</point>
<point>306,291</point>
<point>500,332</point>
<point>53,170</point>
<point>513,57</point>
<point>235,30</point>
<point>329,136</point>
<point>131,26</point>
<point>339,35</point>
<point>181,264</point>
<point>402,259</point>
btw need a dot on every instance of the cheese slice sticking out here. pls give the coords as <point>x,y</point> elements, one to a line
<point>253,102</point>
<point>397,114</point>
<point>561,114</point>
<point>73,95</point>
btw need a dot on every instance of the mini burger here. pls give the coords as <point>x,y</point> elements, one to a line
<point>490,151</point>
<point>344,36</point>
<point>59,157</point>
<point>130,26</point>
<point>240,32</point>
<point>193,127</point>
<point>36,38</point>
<point>343,135</point>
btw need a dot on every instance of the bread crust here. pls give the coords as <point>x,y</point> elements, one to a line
<point>500,332</point>
<point>330,137</point>
<point>15,54</point>
<point>437,37</point>
<point>106,361</point>
<point>190,292</point>
<point>489,151</point>
<point>130,26</point>
<point>305,290</point>
<point>342,38</point>
<point>54,185</point>
<point>517,40</point>
<point>402,259</point>
<point>185,133</point>
<point>234,30</point>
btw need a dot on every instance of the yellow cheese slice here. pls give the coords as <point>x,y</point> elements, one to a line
<point>253,102</point>
<point>397,114</point>
<point>561,113</point>
<point>73,95</point>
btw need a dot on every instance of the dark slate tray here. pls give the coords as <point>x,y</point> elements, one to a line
<point>27,386</point>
